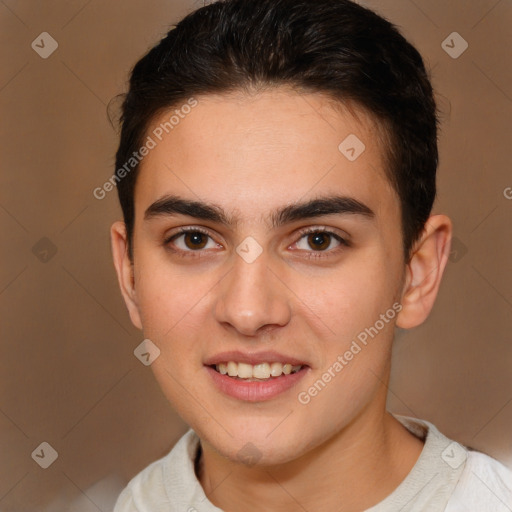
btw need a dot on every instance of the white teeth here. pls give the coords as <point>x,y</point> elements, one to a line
<point>258,371</point>
<point>232,369</point>
<point>244,371</point>
<point>276,369</point>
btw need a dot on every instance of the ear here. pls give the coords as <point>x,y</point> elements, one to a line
<point>424,271</point>
<point>124,269</point>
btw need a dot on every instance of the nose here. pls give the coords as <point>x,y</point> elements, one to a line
<point>252,299</point>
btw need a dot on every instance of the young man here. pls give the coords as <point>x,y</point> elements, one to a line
<point>276,172</point>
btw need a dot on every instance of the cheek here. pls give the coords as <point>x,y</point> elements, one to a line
<point>358,308</point>
<point>172,303</point>
<point>168,295</point>
<point>350,298</point>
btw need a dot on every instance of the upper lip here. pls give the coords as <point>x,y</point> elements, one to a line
<point>253,358</point>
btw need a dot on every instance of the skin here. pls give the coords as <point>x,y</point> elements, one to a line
<point>252,154</point>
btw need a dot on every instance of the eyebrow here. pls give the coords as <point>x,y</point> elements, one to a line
<point>171,205</point>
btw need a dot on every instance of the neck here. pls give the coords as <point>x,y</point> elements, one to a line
<point>353,470</point>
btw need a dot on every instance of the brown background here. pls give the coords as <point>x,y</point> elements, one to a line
<point>69,376</point>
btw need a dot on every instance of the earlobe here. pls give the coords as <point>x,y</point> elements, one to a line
<point>124,269</point>
<point>424,272</point>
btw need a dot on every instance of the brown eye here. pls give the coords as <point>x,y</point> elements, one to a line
<point>190,241</point>
<point>319,241</point>
<point>195,240</point>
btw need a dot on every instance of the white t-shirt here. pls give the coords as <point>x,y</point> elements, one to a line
<point>447,477</point>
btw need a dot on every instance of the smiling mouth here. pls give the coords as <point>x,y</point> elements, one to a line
<point>257,372</point>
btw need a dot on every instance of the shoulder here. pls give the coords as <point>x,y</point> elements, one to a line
<point>147,491</point>
<point>485,485</point>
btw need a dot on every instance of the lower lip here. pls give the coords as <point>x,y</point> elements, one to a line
<point>255,391</point>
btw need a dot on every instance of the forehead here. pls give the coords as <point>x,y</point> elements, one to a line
<point>251,152</point>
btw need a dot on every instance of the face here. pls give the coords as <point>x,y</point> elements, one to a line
<point>265,276</point>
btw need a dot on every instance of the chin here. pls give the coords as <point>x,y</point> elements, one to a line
<point>251,454</point>
<point>260,444</point>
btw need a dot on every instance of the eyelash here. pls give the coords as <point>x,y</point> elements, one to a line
<point>302,233</point>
